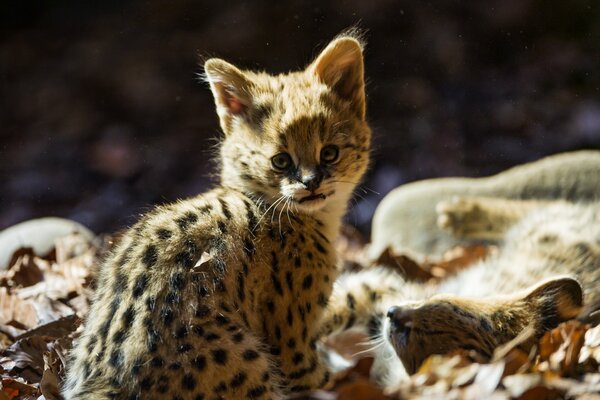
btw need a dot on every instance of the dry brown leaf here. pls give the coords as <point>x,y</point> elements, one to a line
<point>25,353</point>
<point>15,389</point>
<point>54,330</point>
<point>403,265</point>
<point>14,308</point>
<point>456,259</point>
<point>541,393</point>
<point>516,361</point>
<point>360,388</point>
<point>50,380</point>
<point>24,272</point>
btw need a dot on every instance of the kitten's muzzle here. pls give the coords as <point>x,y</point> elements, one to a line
<point>401,323</point>
<point>312,181</point>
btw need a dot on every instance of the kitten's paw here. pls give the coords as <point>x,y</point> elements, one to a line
<point>462,216</point>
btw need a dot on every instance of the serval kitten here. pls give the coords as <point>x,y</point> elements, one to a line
<point>219,296</point>
<point>546,271</point>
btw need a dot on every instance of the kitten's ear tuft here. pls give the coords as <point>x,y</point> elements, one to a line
<point>230,88</point>
<point>340,67</point>
<point>556,300</point>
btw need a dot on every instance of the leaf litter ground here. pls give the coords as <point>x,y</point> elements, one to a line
<point>43,300</point>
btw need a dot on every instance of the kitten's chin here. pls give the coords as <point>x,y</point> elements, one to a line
<point>311,205</point>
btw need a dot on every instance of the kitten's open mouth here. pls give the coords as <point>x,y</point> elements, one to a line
<point>312,197</point>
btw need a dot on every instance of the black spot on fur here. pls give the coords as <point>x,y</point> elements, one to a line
<point>374,326</point>
<point>186,220</point>
<point>184,259</point>
<point>276,284</point>
<point>319,247</point>
<point>289,280</point>
<point>153,336</point>
<point>274,262</point>
<point>116,358</point>
<point>163,234</point>
<point>220,387</point>
<point>211,337</point>
<point>238,379</point>
<point>221,320</point>
<point>184,348</point>
<point>119,336</point>
<point>219,356</point>
<point>203,291</point>
<point>250,355</point>
<point>225,209</point>
<point>307,282</point>
<point>181,332</point>
<point>265,376</point>
<point>485,324</point>
<point>350,301</point>
<point>188,382</point>
<point>202,311</point>
<point>299,388</point>
<point>297,358</point>
<point>167,316</point>
<point>198,330</point>
<point>140,285</point>
<point>150,256</point>
<point>157,362</point>
<point>322,300</point>
<point>237,337</point>
<point>350,322</point>
<point>177,281</point>
<point>221,227</point>
<point>199,362</point>
<point>106,325</point>
<point>241,287</point>
<point>256,391</point>
<point>172,298</point>
<point>277,332</point>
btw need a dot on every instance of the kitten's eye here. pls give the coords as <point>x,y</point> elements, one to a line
<point>330,153</point>
<point>281,161</point>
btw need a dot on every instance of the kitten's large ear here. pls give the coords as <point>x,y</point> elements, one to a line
<point>555,300</point>
<point>230,88</point>
<point>340,66</point>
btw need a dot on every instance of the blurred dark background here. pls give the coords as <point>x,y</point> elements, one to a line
<point>102,114</point>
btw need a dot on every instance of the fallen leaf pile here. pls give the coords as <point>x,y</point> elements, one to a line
<point>43,301</point>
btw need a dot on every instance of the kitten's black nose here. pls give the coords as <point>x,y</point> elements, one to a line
<point>312,182</point>
<point>400,318</point>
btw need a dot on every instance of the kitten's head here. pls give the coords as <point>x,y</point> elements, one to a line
<point>445,323</point>
<point>299,139</point>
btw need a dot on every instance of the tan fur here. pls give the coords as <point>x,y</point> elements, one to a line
<point>406,218</point>
<point>218,296</point>
<point>546,271</point>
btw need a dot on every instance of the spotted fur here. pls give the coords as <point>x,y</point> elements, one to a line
<point>218,296</point>
<point>546,270</point>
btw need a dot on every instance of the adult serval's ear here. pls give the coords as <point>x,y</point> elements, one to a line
<point>554,301</point>
<point>231,90</point>
<point>340,66</point>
